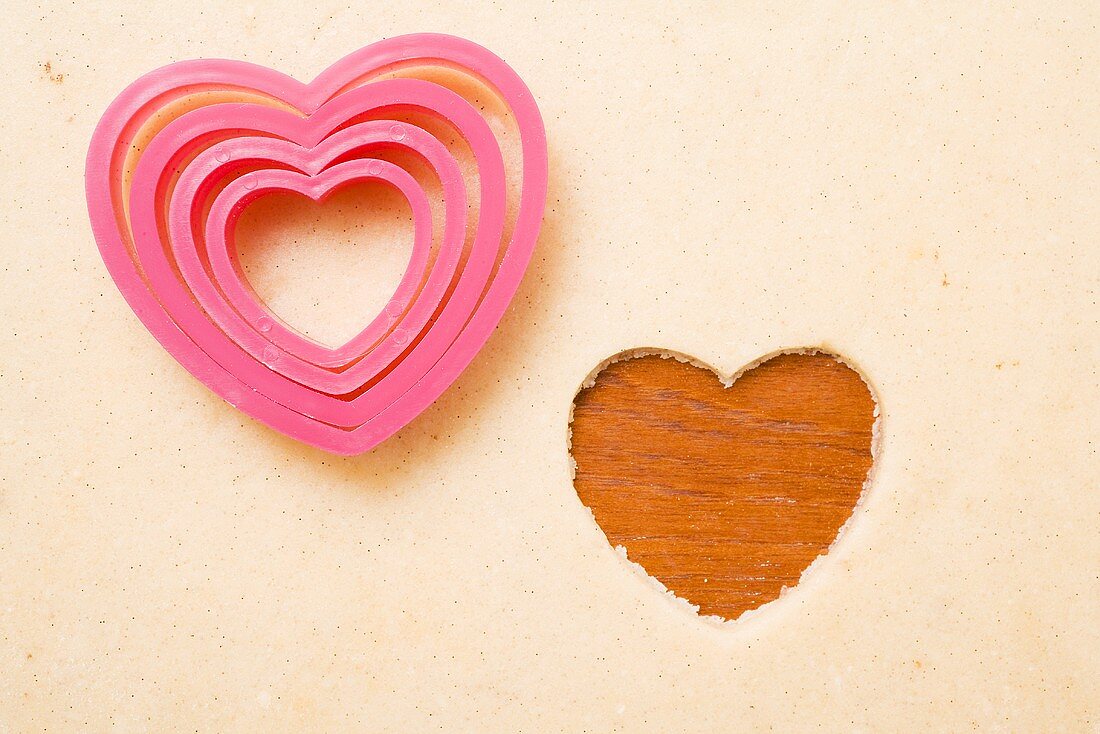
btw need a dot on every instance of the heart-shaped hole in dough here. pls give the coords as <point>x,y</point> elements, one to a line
<point>724,494</point>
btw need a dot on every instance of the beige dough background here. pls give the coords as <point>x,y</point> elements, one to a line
<point>912,186</point>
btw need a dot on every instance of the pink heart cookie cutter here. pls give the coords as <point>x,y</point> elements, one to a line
<point>163,200</point>
<point>250,325</point>
<point>244,302</point>
<point>265,375</point>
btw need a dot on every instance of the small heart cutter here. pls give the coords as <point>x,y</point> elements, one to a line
<point>181,153</point>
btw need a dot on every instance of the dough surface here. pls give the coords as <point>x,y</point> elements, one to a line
<point>912,187</point>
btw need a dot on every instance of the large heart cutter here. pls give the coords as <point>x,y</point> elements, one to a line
<point>182,151</point>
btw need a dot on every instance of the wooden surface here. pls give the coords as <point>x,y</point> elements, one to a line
<point>724,495</point>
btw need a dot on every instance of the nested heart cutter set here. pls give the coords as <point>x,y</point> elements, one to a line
<point>181,152</point>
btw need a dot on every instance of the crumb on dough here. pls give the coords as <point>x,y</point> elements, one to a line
<point>54,76</point>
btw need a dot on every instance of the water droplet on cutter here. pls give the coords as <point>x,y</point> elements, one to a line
<point>250,182</point>
<point>397,132</point>
<point>374,168</point>
<point>222,156</point>
<point>400,338</point>
<point>265,325</point>
<point>271,355</point>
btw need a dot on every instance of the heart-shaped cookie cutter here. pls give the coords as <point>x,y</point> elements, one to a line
<point>357,138</point>
<point>186,148</point>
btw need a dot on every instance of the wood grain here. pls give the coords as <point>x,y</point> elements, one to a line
<point>723,494</point>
